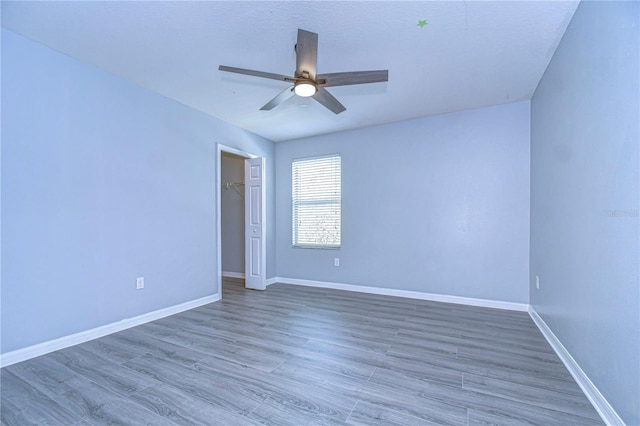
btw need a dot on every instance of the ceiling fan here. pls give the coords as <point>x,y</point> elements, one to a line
<point>306,82</point>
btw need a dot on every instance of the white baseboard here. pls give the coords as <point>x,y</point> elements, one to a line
<point>228,274</point>
<point>270,281</point>
<point>497,304</point>
<point>599,402</point>
<point>241,275</point>
<point>24,354</point>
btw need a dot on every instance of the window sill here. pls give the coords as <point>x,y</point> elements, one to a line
<point>317,247</point>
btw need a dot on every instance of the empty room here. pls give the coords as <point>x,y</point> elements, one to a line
<point>320,212</point>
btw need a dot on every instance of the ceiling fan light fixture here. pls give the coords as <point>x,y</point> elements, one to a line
<point>305,89</point>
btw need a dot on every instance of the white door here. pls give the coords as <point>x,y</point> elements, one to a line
<point>254,210</point>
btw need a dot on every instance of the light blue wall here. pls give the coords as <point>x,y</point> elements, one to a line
<point>232,217</point>
<point>102,182</point>
<point>437,205</point>
<point>585,198</point>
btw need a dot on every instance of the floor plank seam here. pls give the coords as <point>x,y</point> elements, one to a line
<point>372,373</point>
<point>256,407</point>
<point>351,412</point>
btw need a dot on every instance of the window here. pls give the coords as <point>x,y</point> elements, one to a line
<point>316,196</point>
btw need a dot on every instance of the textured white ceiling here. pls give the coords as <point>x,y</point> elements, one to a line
<point>470,54</point>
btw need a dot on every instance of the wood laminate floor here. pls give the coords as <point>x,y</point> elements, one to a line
<point>298,355</point>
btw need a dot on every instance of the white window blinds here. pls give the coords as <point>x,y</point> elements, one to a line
<point>316,198</point>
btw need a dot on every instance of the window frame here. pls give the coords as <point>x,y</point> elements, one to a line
<point>322,201</point>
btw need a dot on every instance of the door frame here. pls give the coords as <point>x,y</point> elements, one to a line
<point>220,148</point>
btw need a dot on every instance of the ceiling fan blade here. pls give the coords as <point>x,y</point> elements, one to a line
<point>356,77</point>
<point>306,54</point>
<point>327,100</point>
<point>280,98</point>
<point>255,73</point>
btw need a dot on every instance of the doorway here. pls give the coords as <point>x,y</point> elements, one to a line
<point>232,232</point>
<point>240,218</point>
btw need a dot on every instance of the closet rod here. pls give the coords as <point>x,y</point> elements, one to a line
<point>230,184</point>
<point>235,186</point>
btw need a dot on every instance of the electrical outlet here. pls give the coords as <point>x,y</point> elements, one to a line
<point>139,283</point>
<point>538,282</point>
<point>336,261</point>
